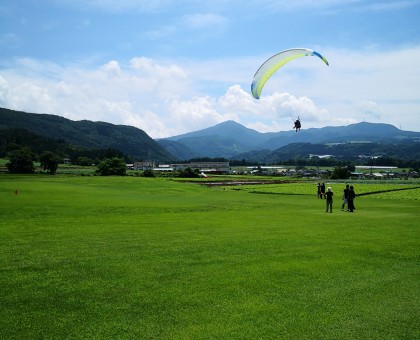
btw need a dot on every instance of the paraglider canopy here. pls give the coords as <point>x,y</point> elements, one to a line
<point>272,64</point>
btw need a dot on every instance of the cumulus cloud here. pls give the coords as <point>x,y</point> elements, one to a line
<point>369,109</point>
<point>237,100</point>
<point>187,115</point>
<point>166,98</point>
<point>150,67</point>
<point>272,112</point>
<point>112,68</point>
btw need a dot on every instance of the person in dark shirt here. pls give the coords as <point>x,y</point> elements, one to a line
<point>345,195</point>
<point>350,199</point>
<point>329,199</point>
<point>322,190</point>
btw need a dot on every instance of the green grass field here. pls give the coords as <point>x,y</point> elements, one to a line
<point>149,258</point>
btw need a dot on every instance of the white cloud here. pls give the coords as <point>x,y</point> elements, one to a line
<point>236,100</point>
<point>112,68</point>
<point>166,98</point>
<point>4,92</point>
<point>36,97</point>
<point>197,113</point>
<point>369,109</point>
<point>152,68</point>
<point>272,112</point>
<point>148,121</point>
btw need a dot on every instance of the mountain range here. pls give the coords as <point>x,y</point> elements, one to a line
<point>234,141</point>
<point>228,140</point>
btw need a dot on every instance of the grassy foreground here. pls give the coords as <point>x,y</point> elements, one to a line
<point>94,257</point>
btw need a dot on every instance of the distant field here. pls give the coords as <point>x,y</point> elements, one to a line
<point>396,190</point>
<point>125,257</point>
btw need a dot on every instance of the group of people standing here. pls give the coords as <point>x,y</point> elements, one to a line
<point>348,197</point>
<point>321,190</point>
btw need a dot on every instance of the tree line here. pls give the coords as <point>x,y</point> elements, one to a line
<point>21,161</point>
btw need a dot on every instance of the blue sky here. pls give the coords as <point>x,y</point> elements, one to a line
<point>174,66</point>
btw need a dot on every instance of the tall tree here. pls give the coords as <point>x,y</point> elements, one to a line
<point>112,167</point>
<point>49,161</point>
<point>21,161</point>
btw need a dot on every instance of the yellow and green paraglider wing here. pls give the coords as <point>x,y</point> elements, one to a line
<point>272,64</point>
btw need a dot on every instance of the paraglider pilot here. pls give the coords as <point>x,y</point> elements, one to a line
<point>297,125</point>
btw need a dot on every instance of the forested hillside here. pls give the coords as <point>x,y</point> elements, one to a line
<point>85,134</point>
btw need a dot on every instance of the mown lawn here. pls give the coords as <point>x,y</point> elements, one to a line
<point>95,257</point>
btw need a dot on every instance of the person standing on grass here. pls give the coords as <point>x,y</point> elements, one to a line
<point>329,199</point>
<point>345,195</point>
<point>322,190</point>
<point>350,199</point>
<point>319,189</point>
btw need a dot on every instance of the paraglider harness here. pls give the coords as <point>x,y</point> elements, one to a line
<point>297,125</point>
